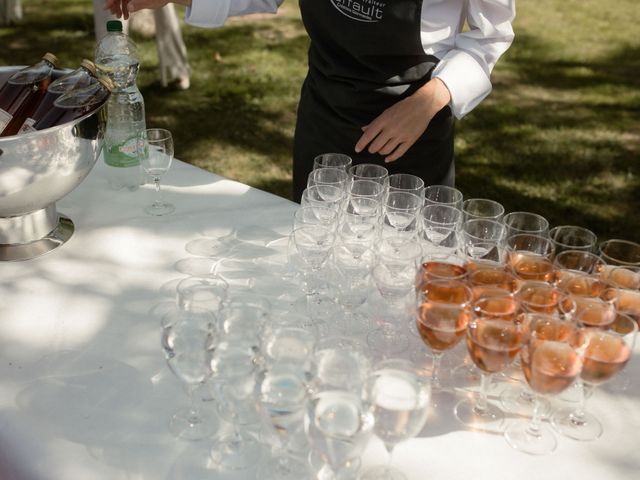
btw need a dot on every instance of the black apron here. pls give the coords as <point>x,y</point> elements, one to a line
<point>365,55</point>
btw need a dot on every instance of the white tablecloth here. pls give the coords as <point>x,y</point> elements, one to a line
<point>84,389</point>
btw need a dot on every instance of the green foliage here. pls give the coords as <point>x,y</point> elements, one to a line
<point>559,135</point>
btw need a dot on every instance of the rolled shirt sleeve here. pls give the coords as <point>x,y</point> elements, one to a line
<point>213,13</point>
<point>466,68</point>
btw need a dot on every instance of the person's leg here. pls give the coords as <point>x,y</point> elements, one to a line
<point>172,52</point>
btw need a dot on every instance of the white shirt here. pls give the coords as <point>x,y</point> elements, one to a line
<point>466,57</point>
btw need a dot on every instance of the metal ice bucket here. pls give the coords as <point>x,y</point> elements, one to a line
<point>36,170</point>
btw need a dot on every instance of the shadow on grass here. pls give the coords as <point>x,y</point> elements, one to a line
<point>568,153</point>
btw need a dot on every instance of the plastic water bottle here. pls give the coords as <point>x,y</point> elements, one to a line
<point>116,55</point>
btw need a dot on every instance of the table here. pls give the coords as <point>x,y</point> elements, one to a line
<point>84,389</point>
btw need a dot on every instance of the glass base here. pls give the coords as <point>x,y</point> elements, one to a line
<point>236,452</point>
<point>187,426</point>
<point>490,419</point>
<point>347,471</point>
<point>355,323</point>
<point>159,209</point>
<point>387,344</point>
<point>521,437</point>
<point>285,467</point>
<point>520,401</point>
<point>584,428</point>
<point>208,247</point>
<point>383,473</point>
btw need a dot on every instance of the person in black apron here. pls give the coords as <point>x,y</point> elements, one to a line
<point>369,75</point>
<point>360,64</point>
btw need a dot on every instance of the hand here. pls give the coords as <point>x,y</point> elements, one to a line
<point>122,8</point>
<point>399,126</point>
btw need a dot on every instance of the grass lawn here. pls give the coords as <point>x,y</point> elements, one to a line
<point>559,135</point>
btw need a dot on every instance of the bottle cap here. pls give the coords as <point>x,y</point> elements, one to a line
<point>51,58</point>
<point>114,26</point>
<point>106,81</point>
<point>89,65</point>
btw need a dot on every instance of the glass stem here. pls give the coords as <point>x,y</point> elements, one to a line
<point>534,425</point>
<point>435,379</point>
<point>194,413</point>
<point>156,181</point>
<point>390,456</point>
<point>577,417</point>
<point>481,405</point>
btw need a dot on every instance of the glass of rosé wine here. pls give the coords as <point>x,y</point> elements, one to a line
<point>607,351</point>
<point>551,361</point>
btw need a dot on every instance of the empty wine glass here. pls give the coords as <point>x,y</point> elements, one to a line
<point>607,352</point>
<point>620,252</point>
<point>155,160</point>
<point>324,196</point>
<point>398,394</point>
<point>482,208</point>
<point>336,177</point>
<point>444,195</point>
<point>394,274</point>
<point>352,279</point>
<point>314,243</point>
<point>339,421</point>
<point>333,160</point>
<point>188,345</point>
<point>234,367</point>
<point>405,182</point>
<point>482,240</point>
<point>525,222</point>
<point>572,237</point>
<point>281,395</point>
<point>370,171</point>
<point>439,227</point>
<point>551,361</point>
<point>202,292</point>
<point>400,215</point>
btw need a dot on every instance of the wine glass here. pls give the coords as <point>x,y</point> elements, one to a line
<point>314,244</point>
<point>444,310</point>
<point>400,215</point>
<point>335,177</point>
<point>493,340</point>
<point>394,275</point>
<point>405,182</point>
<point>332,160</point>
<point>551,361</point>
<point>352,279</point>
<point>155,160</point>
<point>370,171</point>
<point>439,226</point>
<point>339,422</point>
<point>281,395</point>
<point>620,252</point>
<point>579,272</point>
<point>573,237</point>
<point>482,208</point>
<point>482,240</point>
<point>188,345</point>
<point>525,222</point>
<point>234,367</point>
<point>530,257</point>
<point>607,352</point>
<point>398,394</point>
<point>202,292</point>
<point>443,195</point>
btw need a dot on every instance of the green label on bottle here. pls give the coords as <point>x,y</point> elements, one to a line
<point>125,154</point>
